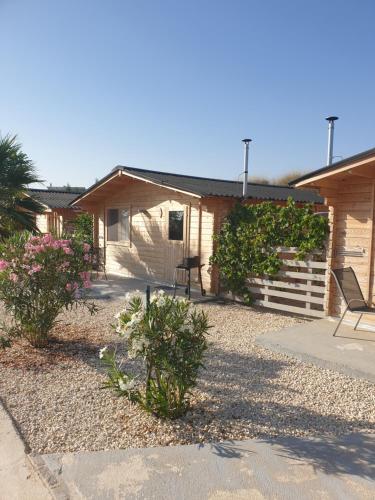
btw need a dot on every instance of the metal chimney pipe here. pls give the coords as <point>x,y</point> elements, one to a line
<point>331,128</point>
<point>245,166</point>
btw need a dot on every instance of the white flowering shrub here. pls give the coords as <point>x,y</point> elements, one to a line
<point>169,336</point>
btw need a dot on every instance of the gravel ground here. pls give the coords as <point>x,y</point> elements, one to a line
<point>246,391</point>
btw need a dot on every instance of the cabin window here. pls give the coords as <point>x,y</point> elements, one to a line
<point>118,224</point>
<point>176,225</point>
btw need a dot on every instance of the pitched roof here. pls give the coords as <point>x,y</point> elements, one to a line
<point>342,163</point>
<point>53,199</point>
<point>205,186</point>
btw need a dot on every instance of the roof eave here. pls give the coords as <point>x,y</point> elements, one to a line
<point>338,167</point>
<point>121,171</point>
<point>166,185</point>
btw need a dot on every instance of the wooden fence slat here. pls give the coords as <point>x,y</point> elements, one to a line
<point>306,284</point>
<point>300,297</point>
<point>305,263</point>
<point>288,308</point>
<point>295,250</point>
<point>287,285</point>
<point>302,276</point>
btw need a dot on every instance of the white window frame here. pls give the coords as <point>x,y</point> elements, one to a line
<point>183,223</point>
<point>119,241</point>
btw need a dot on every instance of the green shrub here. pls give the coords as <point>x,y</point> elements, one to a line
<point>169,335</point>
<point>247,242</point>
<point>83,228</point>
<point>39,277</point>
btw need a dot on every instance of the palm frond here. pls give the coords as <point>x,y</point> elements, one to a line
<point>17,172</point>
<point>30,204</point>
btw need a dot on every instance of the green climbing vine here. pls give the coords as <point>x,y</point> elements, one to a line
<point>250,234</point>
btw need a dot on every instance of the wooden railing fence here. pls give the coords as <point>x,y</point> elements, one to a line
<point>299,287</point>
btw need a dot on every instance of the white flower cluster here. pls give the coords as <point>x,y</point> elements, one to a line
<point>159,298</point>
<point>125,327</point>
<point>138,345</point>
<point>126,321</point>
<point>102,351</point>
<point>126,385</point>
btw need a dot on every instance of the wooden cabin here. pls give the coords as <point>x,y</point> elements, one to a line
<point>147,221</point>
<point>58,215</point>
<point>348,188</point>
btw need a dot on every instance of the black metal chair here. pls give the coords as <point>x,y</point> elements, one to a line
<point>348,285</point>
<point>187,265</point>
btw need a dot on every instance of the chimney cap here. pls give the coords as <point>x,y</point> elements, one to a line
<point>246,141</point>
<point>332,118</point>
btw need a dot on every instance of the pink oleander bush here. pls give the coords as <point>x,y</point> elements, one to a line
<point>39,277</point>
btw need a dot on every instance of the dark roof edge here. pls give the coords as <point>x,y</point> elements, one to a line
<point>142,173</point>
<point>161,183</point>
<point>93,186</point>
<point>338,164</point>
<point>121,168</point>
<point>40,190</point>
<point>124,167</point>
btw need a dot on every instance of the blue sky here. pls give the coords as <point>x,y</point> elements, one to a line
<point>176,85</point>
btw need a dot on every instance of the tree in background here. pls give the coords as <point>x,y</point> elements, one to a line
<point>282,180</point>
<point>17,172</point>
<point>83,228</point>
<point>259,180</point>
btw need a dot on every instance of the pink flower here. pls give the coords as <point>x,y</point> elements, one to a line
<point>68,251</point>
<point>71,286</point>
<point>86,257</point>
<point>36,248</point>
<point>36,268</point>
<point>64,243</point>
<point>3,264</point>
<point>47,239</point>
<point>13,277</point>
<point>86,247</point>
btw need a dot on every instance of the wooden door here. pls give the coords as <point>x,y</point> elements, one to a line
<point>176,223</point>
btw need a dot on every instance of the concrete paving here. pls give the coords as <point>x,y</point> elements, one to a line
<point>351,352</point>
<point>289,468</point>
<point>116,286</point>
<point>18,480</point>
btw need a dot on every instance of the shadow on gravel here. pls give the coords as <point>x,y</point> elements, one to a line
<point>58,351</point>
<point>245,391</point>
<point>243,373</point>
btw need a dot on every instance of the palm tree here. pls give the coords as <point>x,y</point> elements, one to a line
<point>17,209</point>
